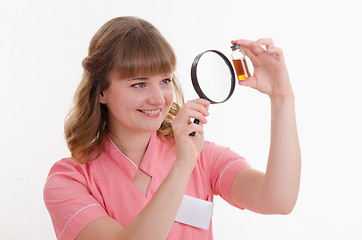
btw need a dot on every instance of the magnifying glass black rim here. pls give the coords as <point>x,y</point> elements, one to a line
<point>195,81</point>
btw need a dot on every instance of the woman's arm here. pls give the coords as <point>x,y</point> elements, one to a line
<point>276,190</point>
<point>156,219</point>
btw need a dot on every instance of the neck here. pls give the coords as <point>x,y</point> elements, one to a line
<point>134,146</point>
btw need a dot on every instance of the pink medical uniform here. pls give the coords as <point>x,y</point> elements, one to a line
<point>76,194</point>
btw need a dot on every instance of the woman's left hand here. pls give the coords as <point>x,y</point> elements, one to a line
<point>276,191</point>
<point>270,71</point>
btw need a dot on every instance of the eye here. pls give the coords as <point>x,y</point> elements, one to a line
<point>166,81</point>
<point>139,85</point>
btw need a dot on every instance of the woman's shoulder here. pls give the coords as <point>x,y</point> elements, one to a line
<point>213,147</point>
<point>213,150</point>
<point>67,168</point>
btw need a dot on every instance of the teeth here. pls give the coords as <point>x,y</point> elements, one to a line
<point>151,112</point>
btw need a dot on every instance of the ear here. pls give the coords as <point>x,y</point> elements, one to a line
<point>102,99</point>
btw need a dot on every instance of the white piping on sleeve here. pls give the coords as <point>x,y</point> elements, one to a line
<point>223,173</point>
<point>94,204</point>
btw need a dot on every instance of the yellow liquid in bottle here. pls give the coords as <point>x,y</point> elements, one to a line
<point>242,71</point>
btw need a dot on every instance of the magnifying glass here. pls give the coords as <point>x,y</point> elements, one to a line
<point>212,77</point>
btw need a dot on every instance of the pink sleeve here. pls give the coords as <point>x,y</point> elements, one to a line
<point>69,200</point>
<point>226,165</point>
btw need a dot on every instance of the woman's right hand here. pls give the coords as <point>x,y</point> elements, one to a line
<point>189,147</point>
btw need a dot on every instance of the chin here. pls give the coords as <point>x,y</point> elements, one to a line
<point>150,128</point>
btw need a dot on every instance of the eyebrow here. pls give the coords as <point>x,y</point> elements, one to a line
<point>138,78</point>
<point>145,78</point>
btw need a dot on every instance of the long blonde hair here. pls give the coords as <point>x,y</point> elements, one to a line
<point>130,47</point>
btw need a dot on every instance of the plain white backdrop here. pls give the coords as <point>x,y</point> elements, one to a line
<point>42,44</point>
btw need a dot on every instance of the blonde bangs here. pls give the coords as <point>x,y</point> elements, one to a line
<point>143,54</point>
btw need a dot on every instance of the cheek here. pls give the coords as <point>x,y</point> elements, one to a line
<point>168,97</point>
<point>135,100</point>
<point>120,102</point>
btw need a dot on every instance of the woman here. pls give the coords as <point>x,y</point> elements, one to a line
<point>133,160</point>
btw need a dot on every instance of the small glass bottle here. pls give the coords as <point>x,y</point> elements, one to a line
<point>241,68</point>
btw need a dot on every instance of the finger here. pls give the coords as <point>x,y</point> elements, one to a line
<point>271,48</point>
<point>278,52</point>
<point>250,48</point>
<point>249,82</point>
<point>201,101</point>
<point>184,117</point>
<point>244,46</point>
<point>200,105</point>
<point>250,54</point>
<point>189,128</point>
<point>257,48</point>
<point>254,46</point>
<point>197,115</point>
<point>199,129</point>
<point>268,42</point>
<point>244,42</point>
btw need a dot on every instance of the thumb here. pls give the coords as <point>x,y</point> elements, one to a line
<point>249,82</point>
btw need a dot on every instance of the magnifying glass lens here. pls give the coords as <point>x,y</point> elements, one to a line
<point>214,76</point>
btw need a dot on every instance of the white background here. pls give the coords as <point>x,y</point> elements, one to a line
<point>42,44</point>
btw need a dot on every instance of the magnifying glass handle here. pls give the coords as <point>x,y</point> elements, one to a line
<point>196,121</point>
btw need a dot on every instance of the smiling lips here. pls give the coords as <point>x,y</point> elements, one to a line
<point>152,113</point>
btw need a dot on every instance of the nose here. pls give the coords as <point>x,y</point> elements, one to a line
<point>156,96</point>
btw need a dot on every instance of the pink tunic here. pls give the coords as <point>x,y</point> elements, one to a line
<point>76,194</point>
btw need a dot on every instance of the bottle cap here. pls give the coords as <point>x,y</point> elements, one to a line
<point>235,47</point>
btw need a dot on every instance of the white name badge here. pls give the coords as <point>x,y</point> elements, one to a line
<point>195,212</point>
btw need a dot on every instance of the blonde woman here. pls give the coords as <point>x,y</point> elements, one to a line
<point>133,163</point>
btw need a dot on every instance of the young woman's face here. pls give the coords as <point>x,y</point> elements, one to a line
<point>139,104</point>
